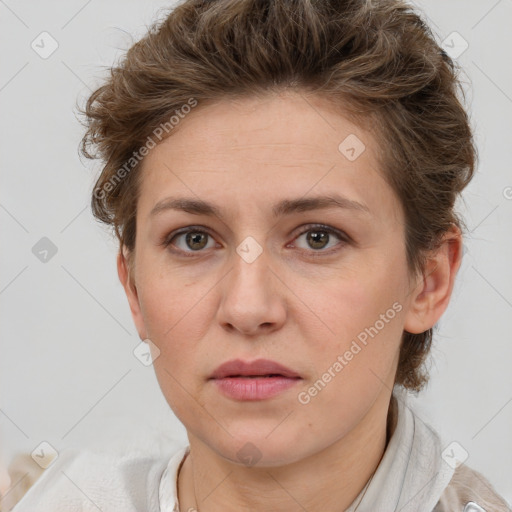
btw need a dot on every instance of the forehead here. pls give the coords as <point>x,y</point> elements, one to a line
<point>248,152</point>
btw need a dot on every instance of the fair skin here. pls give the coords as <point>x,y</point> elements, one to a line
<point>244,156</point>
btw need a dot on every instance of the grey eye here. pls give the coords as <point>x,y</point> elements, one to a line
<point>194,240</point>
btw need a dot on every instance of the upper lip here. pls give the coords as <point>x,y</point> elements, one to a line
<point>237,367</point>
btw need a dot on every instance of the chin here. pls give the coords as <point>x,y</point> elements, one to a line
<point>260,450</point>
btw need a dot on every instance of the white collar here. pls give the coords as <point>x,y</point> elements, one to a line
<point>410,477</point>
<point>168,490</point>
<point>412,474</point>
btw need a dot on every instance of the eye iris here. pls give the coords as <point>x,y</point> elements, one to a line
<point>315,237</point>
<point>196,237</point>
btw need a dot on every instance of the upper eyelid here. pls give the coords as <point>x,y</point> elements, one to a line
<point>186,230</point>
<point>342,236</point>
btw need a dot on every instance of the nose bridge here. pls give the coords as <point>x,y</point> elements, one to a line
<point>249,296</point>
<point>251,274</point>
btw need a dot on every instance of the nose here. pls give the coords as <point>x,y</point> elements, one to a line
<point>253,299</point>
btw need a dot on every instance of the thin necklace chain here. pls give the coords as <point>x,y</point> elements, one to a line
<point>388,436</point>
<point>196,509</point>
<point>364,492</point>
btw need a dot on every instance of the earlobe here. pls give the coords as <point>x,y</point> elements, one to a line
<point>123,271</point>
<point>432,295</point>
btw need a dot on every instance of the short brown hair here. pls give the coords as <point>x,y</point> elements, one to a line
<point>377,60</point>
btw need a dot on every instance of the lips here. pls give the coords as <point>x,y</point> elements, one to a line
<point>255,381</point>
<point>258,368</point>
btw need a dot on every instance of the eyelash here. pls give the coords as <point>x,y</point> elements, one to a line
<point>344,239</point>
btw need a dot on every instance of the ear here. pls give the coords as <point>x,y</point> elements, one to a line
<point>125,276</point>
<point>432,295</point>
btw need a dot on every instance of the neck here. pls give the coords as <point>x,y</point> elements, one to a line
<point>329,480</point>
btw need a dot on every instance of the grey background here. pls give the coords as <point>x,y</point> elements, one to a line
<point>67,372</point>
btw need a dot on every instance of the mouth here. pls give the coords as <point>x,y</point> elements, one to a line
<point>258,376</point>
<point>252,381</point>
<point>260,368</point>
<point>250,388</point>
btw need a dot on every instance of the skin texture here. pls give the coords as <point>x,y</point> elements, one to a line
<point>289,306</point>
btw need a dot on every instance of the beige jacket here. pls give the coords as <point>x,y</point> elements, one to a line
<point>469,491</point>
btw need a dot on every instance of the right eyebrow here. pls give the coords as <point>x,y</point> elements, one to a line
<point>284,207</point>
<point>189,205</point>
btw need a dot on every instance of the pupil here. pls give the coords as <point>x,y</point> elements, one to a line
<point>193,238</point>
<point>314,237</point>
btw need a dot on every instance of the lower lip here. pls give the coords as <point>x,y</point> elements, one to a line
<point>244,388</point>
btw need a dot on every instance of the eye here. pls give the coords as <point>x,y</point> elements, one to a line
<point>318,238</point>
<point>190,240</point>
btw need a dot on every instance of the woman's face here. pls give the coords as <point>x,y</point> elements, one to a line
<point>262,280</point>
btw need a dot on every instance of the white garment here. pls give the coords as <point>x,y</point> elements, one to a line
<point>411,477</point>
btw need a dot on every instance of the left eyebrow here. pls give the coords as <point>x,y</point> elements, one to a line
<point>289,206</point>
<point>285,207</point>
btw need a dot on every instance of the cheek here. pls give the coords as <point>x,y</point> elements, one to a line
<point>361,321</point>
<point>168,296</point>
<point>177,312</point>
<point>175,320</point>
<point>346,307</point>
<point>352,366</point>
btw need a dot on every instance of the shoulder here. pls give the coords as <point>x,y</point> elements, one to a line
<point>91,480</point>
<point>468,488</point>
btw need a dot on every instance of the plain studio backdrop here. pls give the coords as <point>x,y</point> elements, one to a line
<point>69,376</point>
